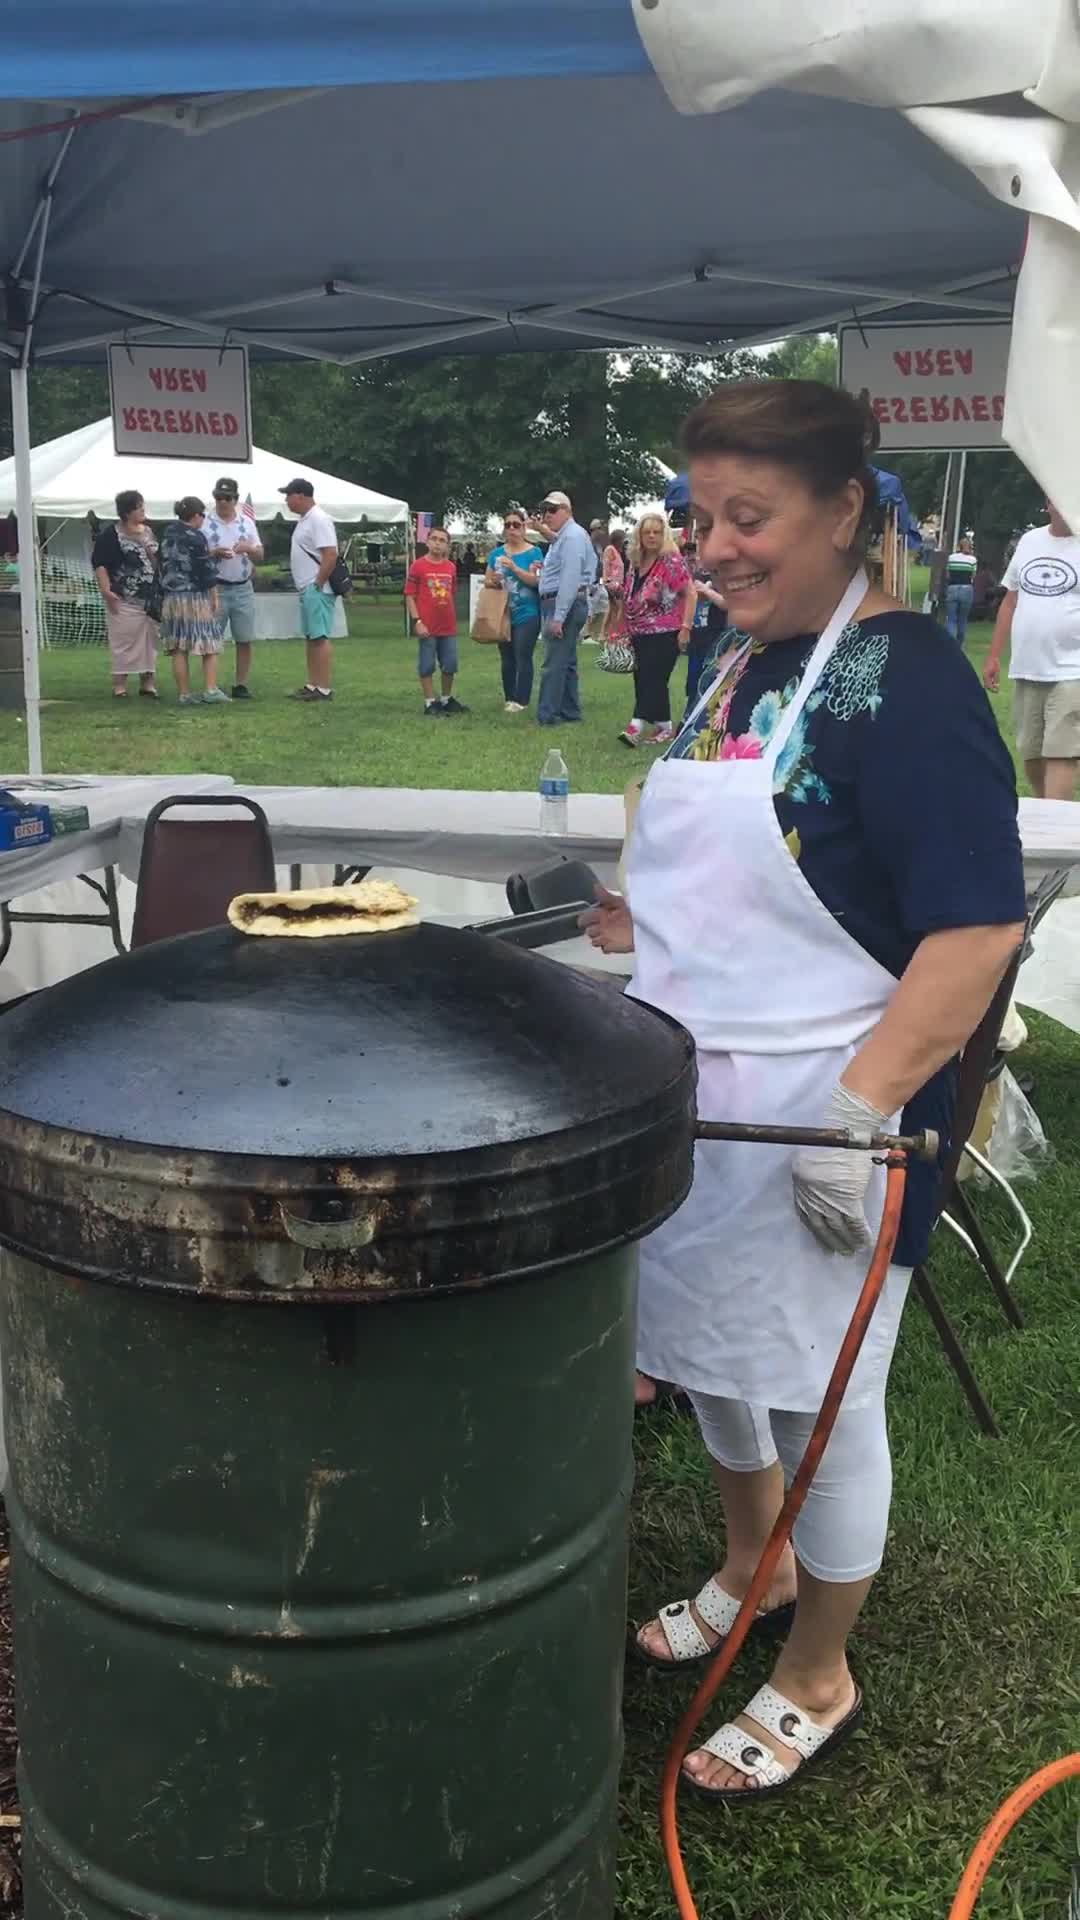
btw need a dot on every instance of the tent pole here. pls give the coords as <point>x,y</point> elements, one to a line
<point>960,485</point>
<point>28,596</point>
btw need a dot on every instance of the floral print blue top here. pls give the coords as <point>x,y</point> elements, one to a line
<point>186,566</point>
<point>895,794</point>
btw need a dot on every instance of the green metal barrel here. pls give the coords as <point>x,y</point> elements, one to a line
<point>317,1348</point>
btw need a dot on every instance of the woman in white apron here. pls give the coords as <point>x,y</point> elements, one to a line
<point>824,884</point>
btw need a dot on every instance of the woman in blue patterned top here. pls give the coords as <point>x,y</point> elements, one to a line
<point>824,883</point>
<point>189,607</point>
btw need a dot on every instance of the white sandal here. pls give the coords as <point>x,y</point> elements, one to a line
<point>752,1756</point>
<point>688,1645</point>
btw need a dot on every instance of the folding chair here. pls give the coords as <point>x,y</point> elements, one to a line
<point>191,869</point>
<point>978,1064</point>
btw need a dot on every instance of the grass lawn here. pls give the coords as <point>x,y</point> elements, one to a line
<point>968,1649</point>
<point>374,734</point>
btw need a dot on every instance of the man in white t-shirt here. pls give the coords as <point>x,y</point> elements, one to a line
<point>312,557</point>
<point>1040,616</point>
<point>235,546</point>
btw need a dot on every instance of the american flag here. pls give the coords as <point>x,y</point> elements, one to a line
<point>248,510</point>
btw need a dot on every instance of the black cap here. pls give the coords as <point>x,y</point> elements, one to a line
<point>226,489</point>
<point>299,486</point>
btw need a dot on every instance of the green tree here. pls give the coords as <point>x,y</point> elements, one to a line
<point>469,434</point>
<point>61,399</point>
<point>1000,496</point>
<point>805,356</point>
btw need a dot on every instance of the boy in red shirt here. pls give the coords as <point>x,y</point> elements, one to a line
<point>429,597</point>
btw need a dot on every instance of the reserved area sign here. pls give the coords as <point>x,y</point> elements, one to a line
<point>930,386</point>
<point>187,403</point>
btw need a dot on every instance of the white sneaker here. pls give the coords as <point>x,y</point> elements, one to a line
<point>514,706</point>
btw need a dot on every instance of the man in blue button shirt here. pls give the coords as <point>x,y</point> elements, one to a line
<point>568,572</point>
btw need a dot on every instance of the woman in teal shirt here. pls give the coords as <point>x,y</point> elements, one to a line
<point>515,566</point>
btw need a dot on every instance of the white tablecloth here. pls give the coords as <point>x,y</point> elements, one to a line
<point>477,836</point>
<point>455,849</point>
<point>277,617</point>
<point>486,836</point>
<point>1050,835</point>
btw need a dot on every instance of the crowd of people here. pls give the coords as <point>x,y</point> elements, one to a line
<point>640,597</point>
<point>643,598</point>
<point>193,589</point>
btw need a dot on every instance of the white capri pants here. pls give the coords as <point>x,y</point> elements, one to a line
<point>840,1533</point>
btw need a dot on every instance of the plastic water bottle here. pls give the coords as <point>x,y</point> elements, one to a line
<point>554,794</point>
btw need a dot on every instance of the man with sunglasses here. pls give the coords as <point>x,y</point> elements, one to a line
<point>568,572</point>
<point>235,548</point>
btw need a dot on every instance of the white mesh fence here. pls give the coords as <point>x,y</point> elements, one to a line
<point>71,609</point>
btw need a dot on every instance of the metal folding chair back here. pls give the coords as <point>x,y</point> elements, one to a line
<point>561,883</point>
<point>955,1210</point>
<point>191,869</point>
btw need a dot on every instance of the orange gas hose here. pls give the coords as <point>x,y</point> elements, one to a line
<point>721,1666</point>
<point>1002,1824</point>
<point>1024,1797</point>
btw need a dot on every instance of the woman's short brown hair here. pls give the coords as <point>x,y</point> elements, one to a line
<point>821,433</point>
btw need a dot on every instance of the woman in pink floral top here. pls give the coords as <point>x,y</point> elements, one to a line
<point>656,610</point>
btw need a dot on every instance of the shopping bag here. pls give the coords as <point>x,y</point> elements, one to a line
<point>491,620</point>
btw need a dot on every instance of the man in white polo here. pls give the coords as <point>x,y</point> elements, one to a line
<point>1040,616</point>
<point>312,557</point>
<point>233,540</point>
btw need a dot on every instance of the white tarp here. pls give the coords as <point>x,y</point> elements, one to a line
<point>935,61</point>
<point>81,473</point>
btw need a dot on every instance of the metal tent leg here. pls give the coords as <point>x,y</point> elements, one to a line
<point>28,596</point>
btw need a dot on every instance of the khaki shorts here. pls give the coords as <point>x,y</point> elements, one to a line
<point>1046,715</point>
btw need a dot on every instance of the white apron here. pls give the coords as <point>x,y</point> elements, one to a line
<point>737,1297</point>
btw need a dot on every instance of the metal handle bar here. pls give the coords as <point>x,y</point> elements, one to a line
<point>920,1146</point>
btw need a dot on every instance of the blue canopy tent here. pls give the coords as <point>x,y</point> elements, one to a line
<point>890,494</point>
<point>356,180</point>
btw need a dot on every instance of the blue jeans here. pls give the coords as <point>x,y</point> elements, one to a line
<point>516,659</point>
<point>957,609</point>
<point>696,656</point>
<point>559,699</point>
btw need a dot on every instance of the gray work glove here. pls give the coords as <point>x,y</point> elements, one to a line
<point>830,1182</point>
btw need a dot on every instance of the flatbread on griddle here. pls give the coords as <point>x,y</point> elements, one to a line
<point>369,906</point>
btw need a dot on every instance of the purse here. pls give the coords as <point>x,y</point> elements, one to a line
<point>339,580</point>
<point>615,657</point>
<point>154,598</point>
<point>491,620</point>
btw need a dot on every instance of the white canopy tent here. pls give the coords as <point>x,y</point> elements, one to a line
<point>81,473</point>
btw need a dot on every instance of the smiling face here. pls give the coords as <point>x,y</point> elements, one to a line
<point>780,556</point>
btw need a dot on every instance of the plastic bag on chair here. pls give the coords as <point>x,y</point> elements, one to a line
<point>1018,1146</point>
